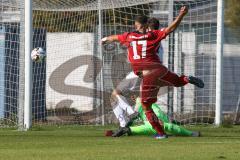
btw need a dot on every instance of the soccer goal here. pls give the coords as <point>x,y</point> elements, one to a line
<point>74,84</point>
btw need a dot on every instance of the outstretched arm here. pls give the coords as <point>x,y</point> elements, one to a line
<point>177,21</point>
<point>109,39</point>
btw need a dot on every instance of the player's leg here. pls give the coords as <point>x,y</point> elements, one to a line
<point>121,106</point>
<point>169,128</point>
<point>120,114</point>
<point>156,108</point>
<point>145,129</point>
<point>176,130</point>
<point>121,102</point>
<point>149,91</point>
<point>172,79</point>
<point>153,120</point>
<point>178,81</point>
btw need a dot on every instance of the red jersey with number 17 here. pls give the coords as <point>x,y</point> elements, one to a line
<point>143,48</point>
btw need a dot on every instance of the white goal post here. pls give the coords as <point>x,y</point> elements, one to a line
<point>28,64</point>
<point>219,62</point>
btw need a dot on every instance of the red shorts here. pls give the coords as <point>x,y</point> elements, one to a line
<point>157,78</point>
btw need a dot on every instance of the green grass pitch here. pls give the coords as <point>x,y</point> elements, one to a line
<point>89,143</point>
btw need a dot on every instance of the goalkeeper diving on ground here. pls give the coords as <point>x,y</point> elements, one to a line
<point>146,129</point>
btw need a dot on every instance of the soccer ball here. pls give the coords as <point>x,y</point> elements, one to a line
<point>38,54</point>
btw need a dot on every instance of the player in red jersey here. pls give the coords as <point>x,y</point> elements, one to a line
<point>142,49</point>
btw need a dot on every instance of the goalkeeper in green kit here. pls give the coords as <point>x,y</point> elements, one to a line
<point>146,128</point>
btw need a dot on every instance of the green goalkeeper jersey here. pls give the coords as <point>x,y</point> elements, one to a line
<point>146,128</point>
<point>157,110</point>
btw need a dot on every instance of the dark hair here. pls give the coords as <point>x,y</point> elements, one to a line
<point>141,19</point>
<point>153,23</point>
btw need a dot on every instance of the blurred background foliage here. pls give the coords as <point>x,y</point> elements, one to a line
<point>83,21</point>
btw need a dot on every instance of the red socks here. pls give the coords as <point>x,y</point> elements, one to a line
<point>153,120</point>
<point>184,79</point>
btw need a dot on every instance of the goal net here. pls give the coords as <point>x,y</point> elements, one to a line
<point>74,84</point>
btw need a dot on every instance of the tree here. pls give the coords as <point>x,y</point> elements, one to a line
<point>232,12</point>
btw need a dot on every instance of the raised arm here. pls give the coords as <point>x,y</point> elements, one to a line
<point>177,21</point>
